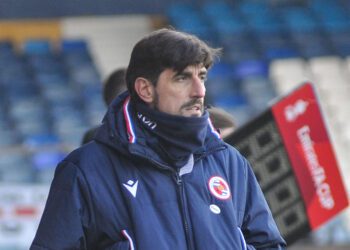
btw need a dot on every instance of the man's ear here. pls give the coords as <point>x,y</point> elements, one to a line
<point>145,89</point>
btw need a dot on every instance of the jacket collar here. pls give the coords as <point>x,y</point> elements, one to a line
<point>121,131</point>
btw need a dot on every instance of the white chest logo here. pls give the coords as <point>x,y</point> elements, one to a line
<point>215,209</point>
<point>219,188</point>
<point>131,186</point>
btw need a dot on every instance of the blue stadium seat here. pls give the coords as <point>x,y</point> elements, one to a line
<point>341,43</point>
<point>44,163</point>
<point>52,80</point>
<point>76,59</point>
<point>236,54</point>
<point>15,168</point>
<point>223,18</point>
<point>280,53</point>
<point>42,105</point>
<point>266,21</point>
<point>312,44</point>
<point>12,70</point>
<point>6,48</point>
<point>45,64</point>
<point>74,46</point>
<point>187,18</point>
<point>40,140</point>
<point>21,88</point>
<point>228,26</point>
<point>221,69</point>
<point>299,19</point>
<point>253,7</point>
<point>85,75</point>
<point>217,9</point>
<point>46,159</point>
<point>249,68</point>
<point>8,136</point>
<point>37,47</point>
<point>178,10</point>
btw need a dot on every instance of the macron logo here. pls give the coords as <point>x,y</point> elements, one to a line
<point>131,186</point>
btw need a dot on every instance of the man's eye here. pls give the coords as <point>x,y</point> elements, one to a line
<point>181,78</point>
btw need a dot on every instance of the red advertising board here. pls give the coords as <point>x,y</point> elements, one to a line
<point>306,140</point>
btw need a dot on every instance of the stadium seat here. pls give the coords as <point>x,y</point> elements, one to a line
<point>40,140</point>
<point>37,47</point>
<point>6,48</point>
<point>44,164</point>
<point>74,46</point>
<point>15,168</point>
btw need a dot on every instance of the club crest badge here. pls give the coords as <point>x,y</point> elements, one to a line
<point>219,188</point>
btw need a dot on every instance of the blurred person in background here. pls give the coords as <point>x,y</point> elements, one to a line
<point>222,121</point>
<point>158,175</point>
<point>112,87</point>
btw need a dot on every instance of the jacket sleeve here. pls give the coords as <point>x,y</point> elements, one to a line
<point>65,213</point>
<point>259,228</point>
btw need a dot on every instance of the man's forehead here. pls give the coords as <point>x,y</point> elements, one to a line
<point>194,68</point>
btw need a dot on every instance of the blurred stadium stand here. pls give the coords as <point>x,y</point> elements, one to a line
<point>51,71</point>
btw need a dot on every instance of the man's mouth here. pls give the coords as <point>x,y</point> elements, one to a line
<point>195,107</point>
<point>195,110</point>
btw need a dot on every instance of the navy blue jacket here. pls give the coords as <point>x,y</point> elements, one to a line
<point>117,193</point>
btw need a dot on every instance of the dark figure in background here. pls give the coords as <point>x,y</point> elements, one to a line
<point>158,175</point>
<point>223,121</point>
<point>113,86</point>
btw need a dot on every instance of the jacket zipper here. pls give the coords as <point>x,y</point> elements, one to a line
<point>179,184</point>
<point>183,211</point>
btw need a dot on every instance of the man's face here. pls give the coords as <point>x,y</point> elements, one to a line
<point>181,93</point>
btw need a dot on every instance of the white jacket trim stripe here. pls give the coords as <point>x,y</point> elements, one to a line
<point>213,130</point>
<point>244,244</point>
<point>127,236</point>
<point>129,126</point>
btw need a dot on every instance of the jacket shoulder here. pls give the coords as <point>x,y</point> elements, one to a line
<point>87,155</point>
<point>232,157</point>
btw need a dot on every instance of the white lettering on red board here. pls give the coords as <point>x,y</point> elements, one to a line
<point>323,189</point>
<point>292,112</point>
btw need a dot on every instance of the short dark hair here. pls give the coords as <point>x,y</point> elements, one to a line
<point>114,85</point>
<point>166,48</point>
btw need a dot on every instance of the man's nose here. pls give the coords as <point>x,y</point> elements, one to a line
<point>198,88</point>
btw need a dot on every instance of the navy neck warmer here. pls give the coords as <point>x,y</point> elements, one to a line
<point>174,137</point>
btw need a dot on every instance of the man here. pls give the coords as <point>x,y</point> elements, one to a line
<point>157,175</point>
<point>113,86</point>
